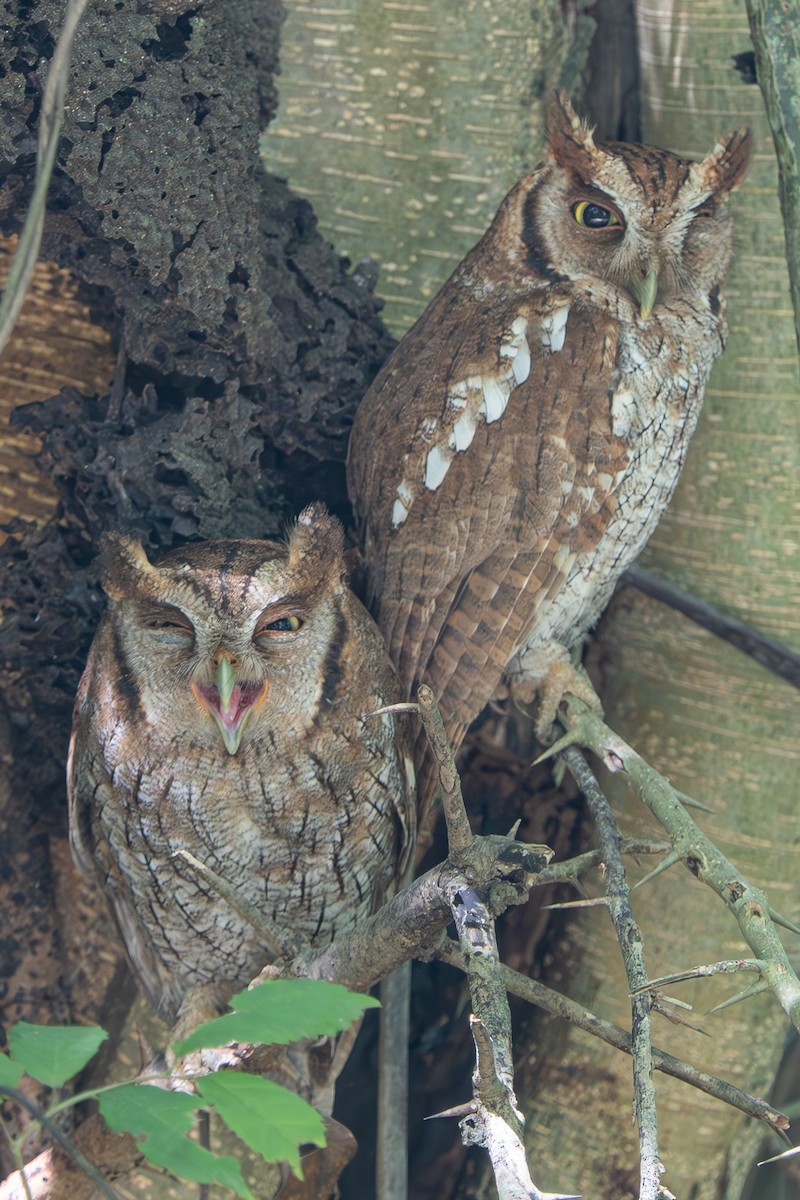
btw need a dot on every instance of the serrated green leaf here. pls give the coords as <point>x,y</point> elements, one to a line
<point>10,1072</point>
<point>280,1011</point>
<point>271,1120</point>
<point>161,1121</point>
<point>54,1053</point>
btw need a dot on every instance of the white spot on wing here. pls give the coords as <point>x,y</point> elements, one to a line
<point>463,432</point>
<point>399,513</point>
<point>401,506</point>
<point>521,364</point>
<point>470,402</point>
<point>495,398</point>
<point>437,464</point>
<point>554,329</point>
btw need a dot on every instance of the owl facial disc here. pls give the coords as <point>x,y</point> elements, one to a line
<point>230,703</point>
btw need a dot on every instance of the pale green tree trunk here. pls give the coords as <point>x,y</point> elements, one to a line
<point>406,124</point>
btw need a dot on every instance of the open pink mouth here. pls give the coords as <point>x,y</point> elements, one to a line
<point>243,697</point>
<point>231,718</point>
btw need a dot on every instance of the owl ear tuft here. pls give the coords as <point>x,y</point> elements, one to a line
<point>126,568</point>
<point>726,166</point>
<point>316,544</point>
<point>570,141</point>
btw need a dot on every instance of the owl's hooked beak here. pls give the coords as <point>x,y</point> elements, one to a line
<point>230,703</point>
<point>645,291</point>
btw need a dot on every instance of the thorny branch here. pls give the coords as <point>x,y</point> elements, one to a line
<point>493,1119</point>
<point>535,992</point>
<point>630,941</point>
<point>748,904</point>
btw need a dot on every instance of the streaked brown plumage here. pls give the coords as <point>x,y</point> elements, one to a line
<point>518,448</point>
<point>222,712</point>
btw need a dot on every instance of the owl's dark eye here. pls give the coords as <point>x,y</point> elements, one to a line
<point>170,625</point>
<point>288,624</point>
<point>594,216</point>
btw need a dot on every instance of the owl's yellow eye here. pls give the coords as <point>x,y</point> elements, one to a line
<point>290,624</point>
<point>594,216</point>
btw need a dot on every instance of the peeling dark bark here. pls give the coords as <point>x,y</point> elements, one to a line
<point>244,345</point>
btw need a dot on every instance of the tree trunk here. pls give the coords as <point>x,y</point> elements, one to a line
<point>405,125</point>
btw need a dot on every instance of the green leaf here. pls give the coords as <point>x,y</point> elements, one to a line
<point>54,1053</point>
<point>280,1011</point>
<point>161,1120</point>
<point>271,1120</point>
<point>10,1072</point>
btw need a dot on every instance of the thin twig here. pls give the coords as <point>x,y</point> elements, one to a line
<point>459,831</point>
<point>64,1141</point>
<point>779,659</point>
<point>494,1120</point>
<point>565,1009</point>
<point>748,904</point>
<point>630,942</point>
<point>52,112</point>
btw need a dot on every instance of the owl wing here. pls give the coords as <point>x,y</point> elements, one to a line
<point>479,479</point>
<point>89,787</point>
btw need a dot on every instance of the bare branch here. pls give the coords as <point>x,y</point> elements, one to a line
<point>748,904</point>
<point>557,1005</point>
<point>630,941</point>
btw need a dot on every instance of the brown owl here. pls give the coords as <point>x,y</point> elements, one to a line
<point>222,712</point>
<point>518,448</point>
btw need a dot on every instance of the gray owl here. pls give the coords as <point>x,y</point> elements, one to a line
<point>222,712</point>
